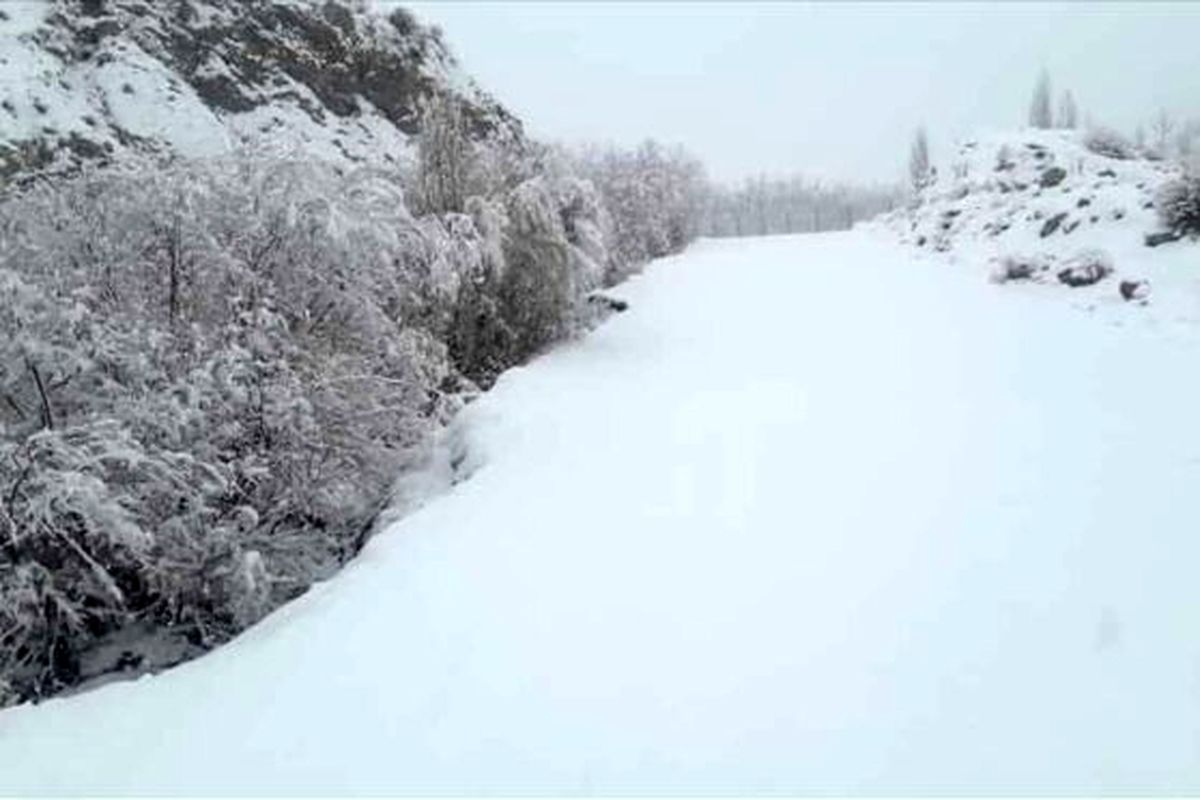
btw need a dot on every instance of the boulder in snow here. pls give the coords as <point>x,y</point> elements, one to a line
<point>1051,225</point>
<point>1135,290</point>
<point>1085,268</point>
<point>1052,176</point>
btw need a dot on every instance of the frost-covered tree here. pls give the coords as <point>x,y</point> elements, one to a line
<point>209,377</point>
<point>212,372</point>
<point>918,161</point>
<point>1178,205</point>
<point>791,205</point>
<point>1162,128</point>
<point>1039,106</point>
<point>653,196</point>
<point>1068,112</point>
<point>444,155</point>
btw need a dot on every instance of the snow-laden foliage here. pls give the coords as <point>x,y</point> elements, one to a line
<point>212,373</point>
<point>1039,106</point>
<point>1178,204</point>
<point>1108,142</point>
<point>762,206</point>
<point>209,376</point>
<point>918,161</point>
<point>653,196</point>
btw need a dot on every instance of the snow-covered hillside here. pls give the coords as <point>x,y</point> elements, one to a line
<point>1042,198</point>
<point>105,79</point>
<point>813,515</point>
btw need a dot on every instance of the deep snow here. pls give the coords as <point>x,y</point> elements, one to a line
<point>814,515</point>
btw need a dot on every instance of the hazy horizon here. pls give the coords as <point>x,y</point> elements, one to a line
<point>815,88</point>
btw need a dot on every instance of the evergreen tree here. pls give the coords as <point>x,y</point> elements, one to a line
<point>1039,108</point>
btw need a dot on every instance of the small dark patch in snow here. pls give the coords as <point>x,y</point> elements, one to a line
<point>40,107</point>
<point>1053,223</point>
<point>127,88</point>
<point>608,303</point>
<point>1107,173</point>
<point>1083,202</point>
<point>1155,239</point>
<point>1052,177</point>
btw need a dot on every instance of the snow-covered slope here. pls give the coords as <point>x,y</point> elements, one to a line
<point>813,515</point>
<point>1043,198</point>
<point>87,79</point>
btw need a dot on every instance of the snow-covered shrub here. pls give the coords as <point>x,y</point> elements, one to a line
<point>1178,205</point>
<point>212,373</point>
<point>1107,142</point>
<point>210,376</point>
<point>536,289</point>
<point>1085,268</point>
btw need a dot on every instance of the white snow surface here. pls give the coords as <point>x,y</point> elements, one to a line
<point>814,515</point>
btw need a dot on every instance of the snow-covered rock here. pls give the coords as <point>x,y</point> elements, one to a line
<point>111,78</point>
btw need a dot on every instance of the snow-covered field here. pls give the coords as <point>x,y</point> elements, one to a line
<point>814,515</point>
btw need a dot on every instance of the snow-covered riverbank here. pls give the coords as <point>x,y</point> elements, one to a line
<point>812,515</point>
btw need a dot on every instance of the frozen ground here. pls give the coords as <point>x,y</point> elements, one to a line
<point>814,515</point>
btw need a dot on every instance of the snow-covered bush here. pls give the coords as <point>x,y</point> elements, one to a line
<point>212,373</point>
<point>653,197</point>
<point>1107,142</point>
<point>1178,205</point>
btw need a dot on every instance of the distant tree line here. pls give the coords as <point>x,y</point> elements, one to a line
<point>762,206</point>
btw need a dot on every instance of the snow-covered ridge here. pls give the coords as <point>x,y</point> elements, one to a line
<point>1042,198</point>
<point>86,79</point>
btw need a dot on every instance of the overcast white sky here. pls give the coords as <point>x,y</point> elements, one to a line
<point>826,89</point>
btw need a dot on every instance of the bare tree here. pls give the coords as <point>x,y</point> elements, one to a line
<point>1162,127</point>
